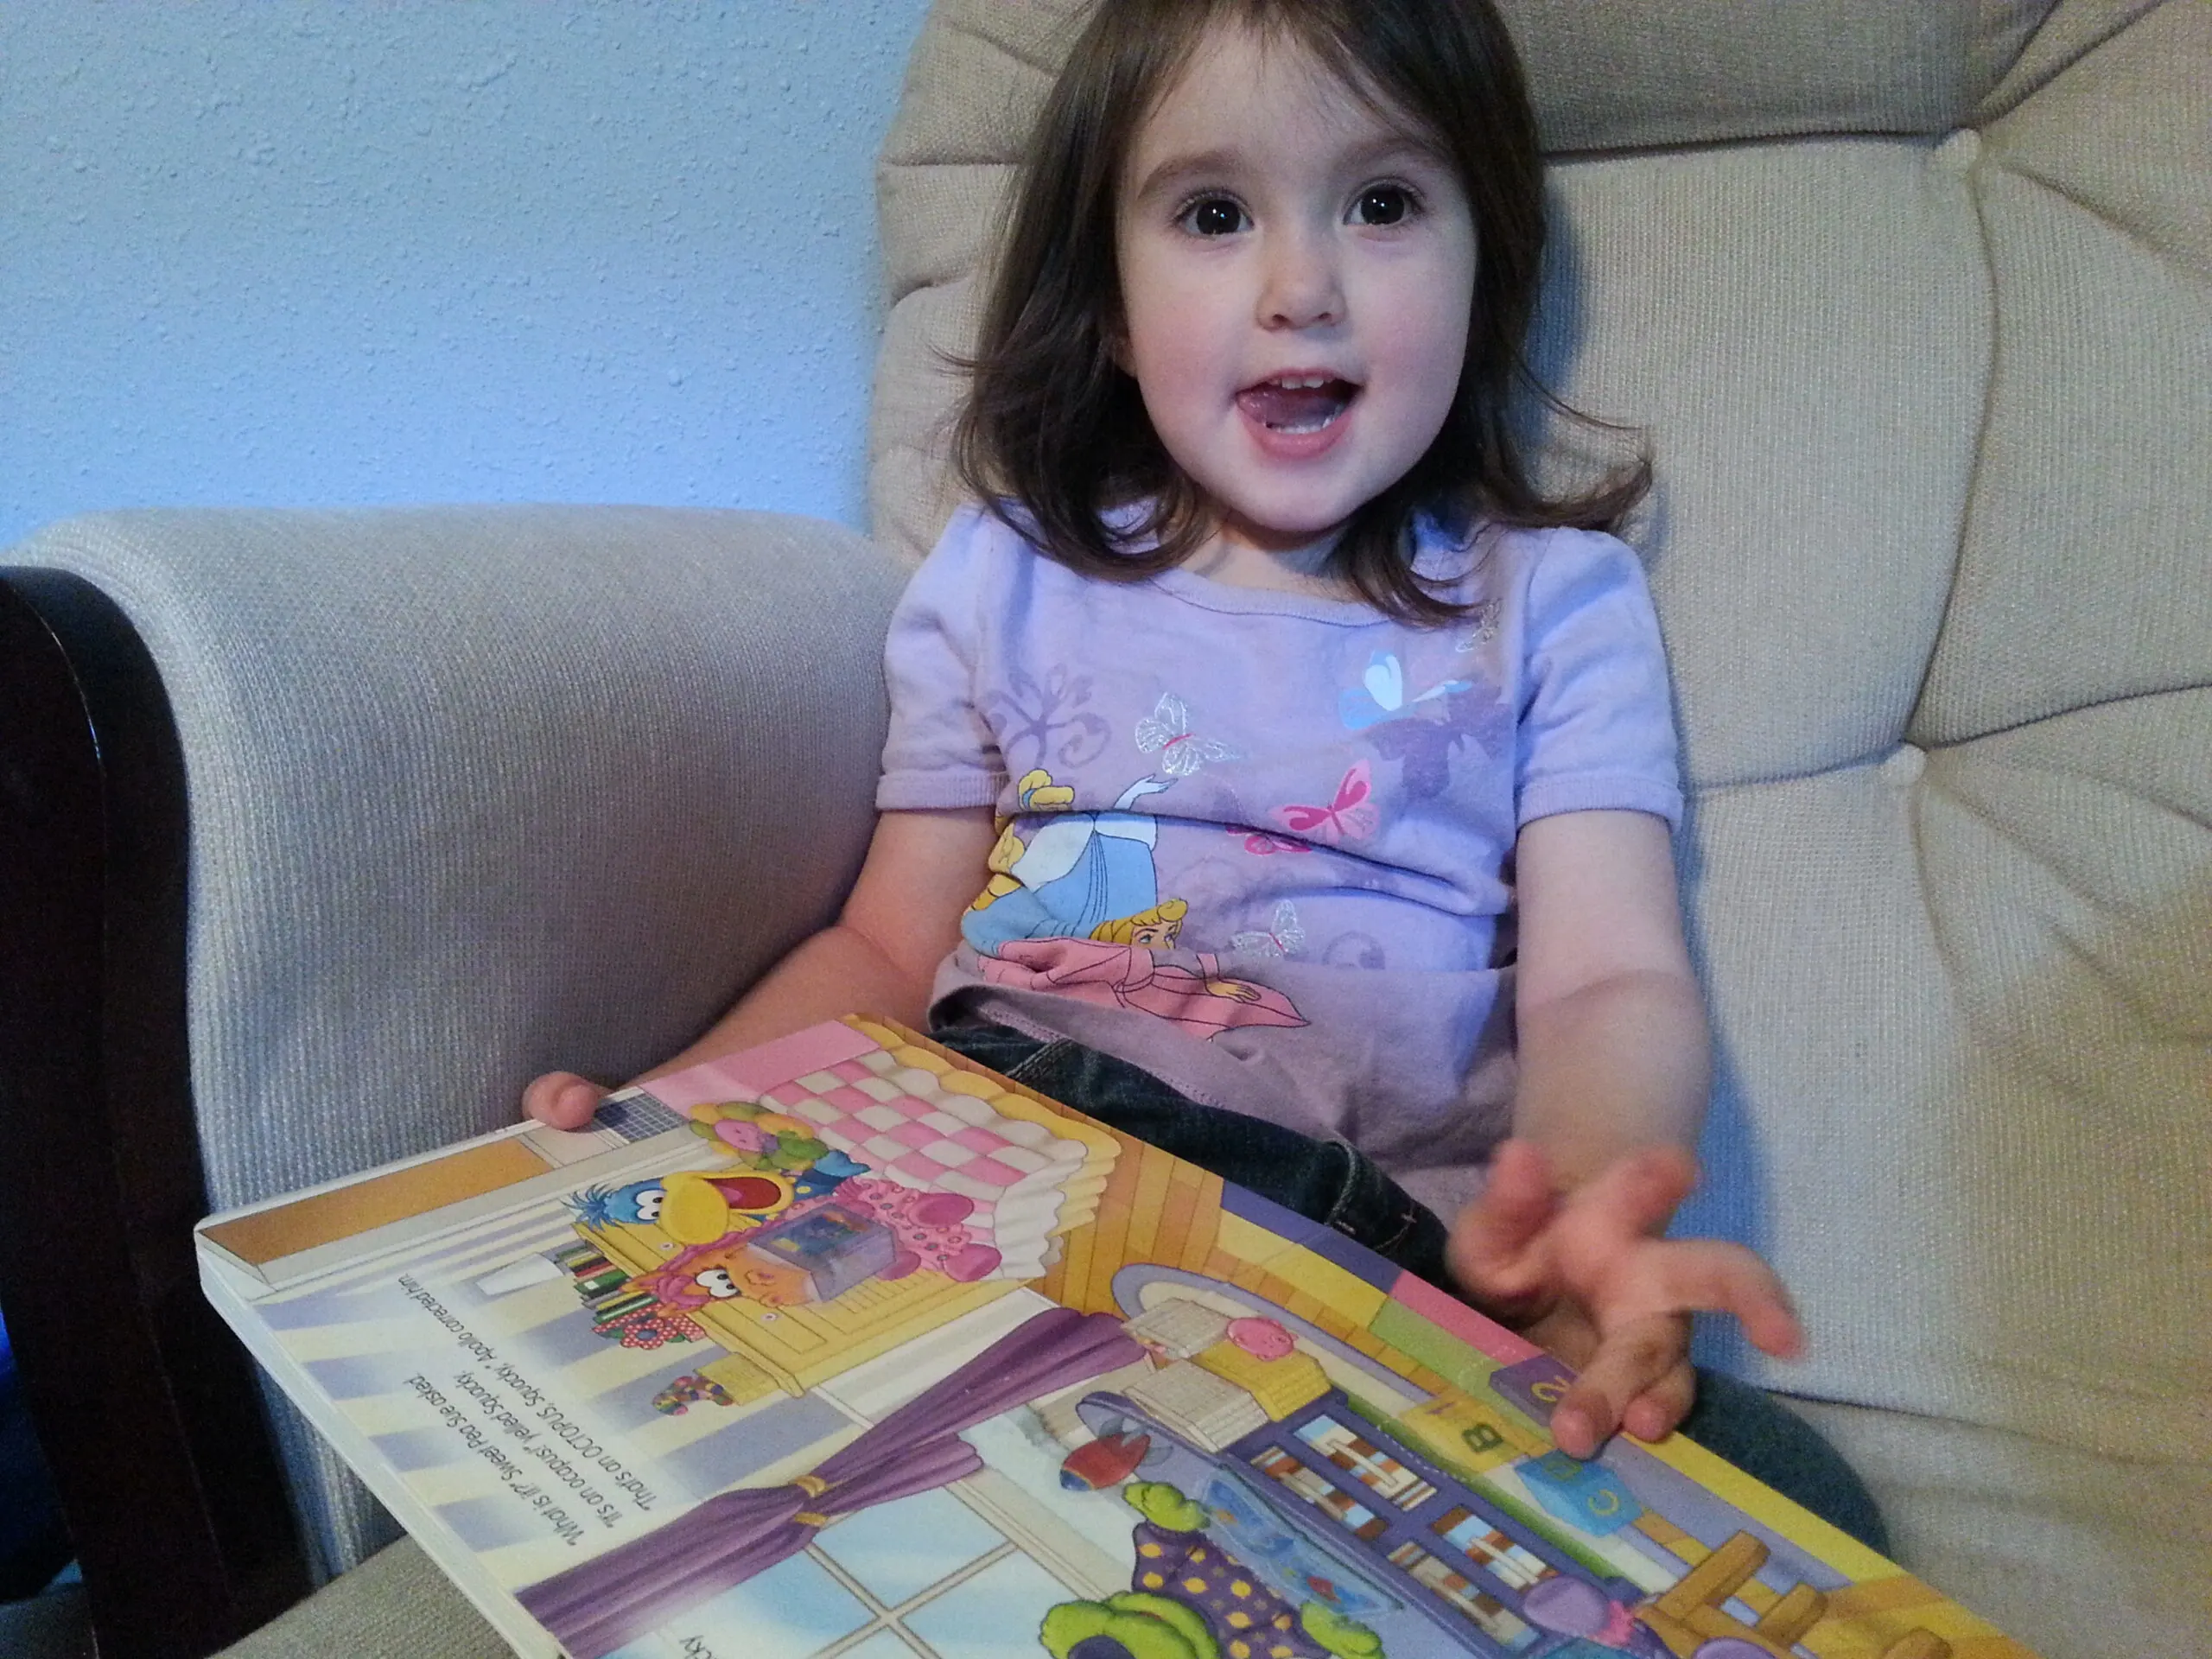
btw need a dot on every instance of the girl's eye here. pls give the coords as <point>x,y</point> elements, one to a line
<point>1214,216</point>
<point>1385,204</point>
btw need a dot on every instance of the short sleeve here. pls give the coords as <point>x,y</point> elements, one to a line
<point>1597,726</point>
<point>939,753</point>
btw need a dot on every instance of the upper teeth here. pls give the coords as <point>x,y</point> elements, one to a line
<point>1303,383</point>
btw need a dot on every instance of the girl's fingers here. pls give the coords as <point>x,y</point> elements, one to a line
<point>1623,1274</point>
<point>1771,1322</point>
<point>1632,1360</point>
<point>1582,1422</point>
<point>1709,1275</point>
<point>1655,1414</point>
<point>1517,1201</point>
<point>562,1100</point>
<point>1489,1244</point>
<point>1638,1376</point>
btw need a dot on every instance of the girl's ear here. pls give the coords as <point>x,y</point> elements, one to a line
<point>1117,335</point>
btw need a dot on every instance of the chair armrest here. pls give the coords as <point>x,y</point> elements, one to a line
<point>135,1386</point>
<point>487,790</point>
<point>467,793</point>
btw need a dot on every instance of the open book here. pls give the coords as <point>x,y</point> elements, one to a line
<point>845,1346</point>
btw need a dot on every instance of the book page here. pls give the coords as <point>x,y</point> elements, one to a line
<point>845,1346</point>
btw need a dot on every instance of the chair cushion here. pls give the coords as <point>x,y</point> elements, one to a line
<point>1803,330</point>
<point>1701,71</point>
<point>2090,1554</point>
<point>1959,1002</point>
<point>396,1604</point>
<point>2082,566</point>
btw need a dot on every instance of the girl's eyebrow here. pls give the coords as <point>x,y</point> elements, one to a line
<point>1171,174</point>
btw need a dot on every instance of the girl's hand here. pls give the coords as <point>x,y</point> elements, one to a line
<point>561,1099</point>
<point>1588,1274</point>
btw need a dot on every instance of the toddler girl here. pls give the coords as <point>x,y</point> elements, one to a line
<point>1275,771</point>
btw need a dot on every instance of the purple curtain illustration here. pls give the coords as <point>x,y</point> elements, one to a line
<point>614,1598</point>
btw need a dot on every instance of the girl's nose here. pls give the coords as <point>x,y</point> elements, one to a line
<point>1301,288</point>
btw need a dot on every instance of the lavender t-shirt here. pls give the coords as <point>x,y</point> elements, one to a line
<point>1259,843</point>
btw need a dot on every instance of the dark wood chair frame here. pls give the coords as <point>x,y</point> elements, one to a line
<point>147,1408</point>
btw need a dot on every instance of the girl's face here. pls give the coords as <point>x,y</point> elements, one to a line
<point>1296,275</point>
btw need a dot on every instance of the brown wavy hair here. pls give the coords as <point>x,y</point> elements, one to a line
<point>1053,434</point>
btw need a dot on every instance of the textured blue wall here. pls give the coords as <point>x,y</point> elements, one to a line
<point>326,254</point>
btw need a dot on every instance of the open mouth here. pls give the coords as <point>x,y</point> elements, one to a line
<point>1295,404</point>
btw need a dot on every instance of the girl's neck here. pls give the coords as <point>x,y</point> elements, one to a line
<point>1240,561</point>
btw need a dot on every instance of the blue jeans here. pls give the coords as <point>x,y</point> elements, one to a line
<point>1335,1183</point>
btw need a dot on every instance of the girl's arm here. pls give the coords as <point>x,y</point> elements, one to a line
<point>879,956</point>
<point>1567,1241</point>
<point>1613,1049</point>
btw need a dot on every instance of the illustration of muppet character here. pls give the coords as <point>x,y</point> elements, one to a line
<point>763,1139</point>
<point>821,1247</point>
<point>789,1250</point>
<point>1076,910</point>
<point>1192,1600</point>
<point>791,1219</point>
<point>692,1206</point>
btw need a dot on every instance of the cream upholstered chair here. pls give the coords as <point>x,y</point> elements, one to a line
<point>1914,299</point>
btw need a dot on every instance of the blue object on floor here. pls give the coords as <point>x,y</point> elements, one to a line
<point>33,1544</point>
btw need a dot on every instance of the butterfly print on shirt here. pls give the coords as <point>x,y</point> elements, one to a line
<point>1351,815</point>
<point>1485,628</point>
<point>1426,746</point>
<point>1282,938</point>
<point>1167,731</point>
<point>1265,842</point>
<point>1381,694</point>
